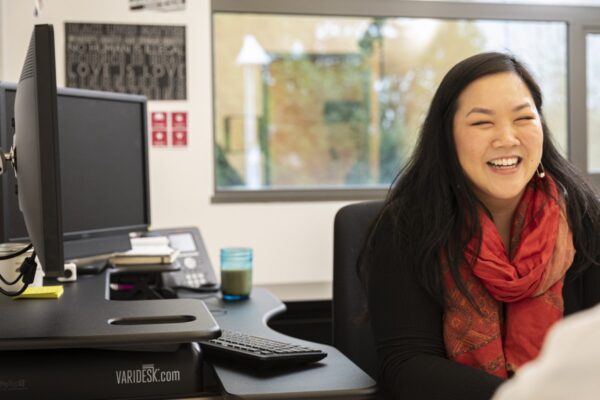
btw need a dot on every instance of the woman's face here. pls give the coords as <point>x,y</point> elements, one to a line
<point>498,137</point>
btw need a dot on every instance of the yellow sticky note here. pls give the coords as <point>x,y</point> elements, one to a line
<point>44,292</point>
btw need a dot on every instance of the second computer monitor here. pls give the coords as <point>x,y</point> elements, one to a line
<point>104,170</point>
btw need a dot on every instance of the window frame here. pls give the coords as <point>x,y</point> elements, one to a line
<point>579,21</point>
<point>589,30</point>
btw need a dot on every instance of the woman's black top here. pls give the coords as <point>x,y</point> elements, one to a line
<point>407,325</point>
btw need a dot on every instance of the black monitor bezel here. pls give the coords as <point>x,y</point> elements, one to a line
<point>36,157</point>
<point>92,235</point>
<point>5,130</point>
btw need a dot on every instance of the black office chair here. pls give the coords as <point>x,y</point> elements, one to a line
<point>351,325</point>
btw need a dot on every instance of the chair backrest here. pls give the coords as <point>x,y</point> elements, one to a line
<point>351,325</point>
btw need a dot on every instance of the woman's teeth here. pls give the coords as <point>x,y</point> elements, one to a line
<point>504,162</point>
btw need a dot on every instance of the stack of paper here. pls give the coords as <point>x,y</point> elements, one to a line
<point>147,251</point>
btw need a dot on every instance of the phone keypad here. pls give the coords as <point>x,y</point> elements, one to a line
<point>195,279</point>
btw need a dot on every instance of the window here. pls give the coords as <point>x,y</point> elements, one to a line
<point>593,101</point>
<point>310,103</point>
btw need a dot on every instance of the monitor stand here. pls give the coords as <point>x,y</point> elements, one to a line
<point>84,317</point>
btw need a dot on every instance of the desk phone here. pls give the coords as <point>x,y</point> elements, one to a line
<point>194,269</point>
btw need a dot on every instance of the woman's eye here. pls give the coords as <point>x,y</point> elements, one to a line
<point>525,118</point>
<point>479,123</point>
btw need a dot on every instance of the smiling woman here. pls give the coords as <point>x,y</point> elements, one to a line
<point>499,143</point>
<point>486,240</point>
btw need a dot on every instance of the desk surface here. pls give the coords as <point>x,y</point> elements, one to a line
<point>84,317</point>
<point>303,291</point>
<point>333,377</point>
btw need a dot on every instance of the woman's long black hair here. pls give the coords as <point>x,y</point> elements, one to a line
<point>431,202</point>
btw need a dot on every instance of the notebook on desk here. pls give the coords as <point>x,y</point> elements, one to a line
<point>146,251</point>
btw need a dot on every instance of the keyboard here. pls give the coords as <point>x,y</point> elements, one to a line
<point>258,352</point>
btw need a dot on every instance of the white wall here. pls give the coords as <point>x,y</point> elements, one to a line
<point>292,242</point>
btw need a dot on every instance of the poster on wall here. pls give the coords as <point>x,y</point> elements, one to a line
<point>138,59</point>
<point>158,5</point>
<point>160,128</point>
<point>179,125</point>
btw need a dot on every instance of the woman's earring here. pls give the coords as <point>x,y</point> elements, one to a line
<point>540,171</point>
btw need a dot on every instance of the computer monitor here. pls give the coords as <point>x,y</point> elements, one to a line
<point>104,170</point>
<point>83,317</point>
<point>35,155</point>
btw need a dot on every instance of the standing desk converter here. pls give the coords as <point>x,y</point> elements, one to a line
<point>68,322</point>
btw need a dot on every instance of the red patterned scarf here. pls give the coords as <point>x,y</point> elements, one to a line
<point>520,296</point>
